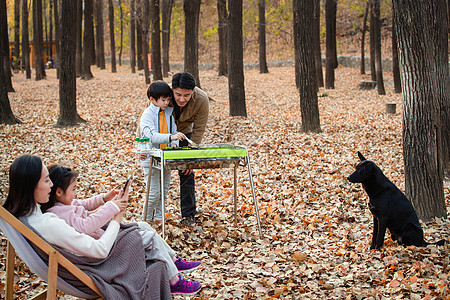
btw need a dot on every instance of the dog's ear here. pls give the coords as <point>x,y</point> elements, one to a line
<point>361,157</point>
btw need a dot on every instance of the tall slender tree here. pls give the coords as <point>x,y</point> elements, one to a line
<point>330,63</point>
<point>191,19</point>
<point>395,63</point>
<point>372,41</point>
<point>425,84</point>
<point>79,40</point>
<point>145,32</point>
<point>67,81</point>
<point>88,57</point>
<point>377,29</point>
<point>236,90</point>
<point>262,37</point>
<point>309,104</point>
<point>38,43</point>
<point>166,13</point>
<point>57,35</point>
<point>16,50</point>
<point>139,37</point>
<point>25,40</point>
<point>363,39</point>
<point>121,32</point>
<point>4,55</point>
<point>223,30</point>
<point>111,36</point>
<point>296,43</point>
<point>156,41</point>
<point>6,114</point>
<point>133,36</point>
<point>99,38</point>
<point>316,43</point>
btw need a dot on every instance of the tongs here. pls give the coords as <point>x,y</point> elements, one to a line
<point>193,145</point>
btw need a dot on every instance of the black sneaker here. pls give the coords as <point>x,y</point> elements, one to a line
<point>190,220</point>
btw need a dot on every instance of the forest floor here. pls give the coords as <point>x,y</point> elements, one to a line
<point>316,225</point>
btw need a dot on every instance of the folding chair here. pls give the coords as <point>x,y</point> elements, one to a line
<point>17,234</point>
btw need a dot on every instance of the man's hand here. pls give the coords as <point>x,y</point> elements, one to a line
<point>187,172</point>
<point>177,136</point>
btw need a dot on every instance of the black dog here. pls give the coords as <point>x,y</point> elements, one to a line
<point>389,206</point>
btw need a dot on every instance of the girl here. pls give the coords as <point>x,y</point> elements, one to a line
<point>30,186</point>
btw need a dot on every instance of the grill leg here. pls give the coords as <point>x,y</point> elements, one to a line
<point>149,179</point>
<point>254,196</point>
<point>235,195</point>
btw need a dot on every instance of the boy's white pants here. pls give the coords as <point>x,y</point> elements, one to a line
<point>154,198</point>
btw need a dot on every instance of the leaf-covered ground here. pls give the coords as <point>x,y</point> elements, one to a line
<point>316,225</point>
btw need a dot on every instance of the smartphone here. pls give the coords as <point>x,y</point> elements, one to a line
<point>127,185</point>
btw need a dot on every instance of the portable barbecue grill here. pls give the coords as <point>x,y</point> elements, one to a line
<point>204,157</point>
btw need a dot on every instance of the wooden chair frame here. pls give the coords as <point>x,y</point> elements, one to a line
<point>55,259</point>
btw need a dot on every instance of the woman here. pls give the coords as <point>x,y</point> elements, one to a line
<point>30,186</point>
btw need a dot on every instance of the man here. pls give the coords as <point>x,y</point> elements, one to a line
<point>191,110</point>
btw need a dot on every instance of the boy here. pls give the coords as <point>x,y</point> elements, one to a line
<point>158,124</point>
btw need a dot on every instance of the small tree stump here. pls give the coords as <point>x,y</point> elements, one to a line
<point>367,85</point>
<point>391,108</point>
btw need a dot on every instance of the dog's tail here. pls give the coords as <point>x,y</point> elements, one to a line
<point>438,243</point>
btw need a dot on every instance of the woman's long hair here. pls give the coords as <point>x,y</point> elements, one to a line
<point>24,175</point>
<point>61,177</point>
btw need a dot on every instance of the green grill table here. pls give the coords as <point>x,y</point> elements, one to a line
<point>206,157</point>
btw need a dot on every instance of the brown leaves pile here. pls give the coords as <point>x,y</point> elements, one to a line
<point>316,224</point>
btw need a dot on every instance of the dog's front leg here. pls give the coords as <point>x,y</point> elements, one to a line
<point>381,233</point>
<point>374,233</point>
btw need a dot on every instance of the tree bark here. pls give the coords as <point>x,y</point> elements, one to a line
<point>296,44</point>
<point>156,41</point>
<point>166,13</point>
<point>363,39</point>
<point>139,38</point>
<point>191,12</point>
<point>121,32</point>
<point>372,36</point>
<point>100,39</point>
<point>395,65</point>
<point>6,114</point>
<point>236,90</point>
<point>50,30</point>
<point>133,36</point>
<point>316,43</point>
<point>145,29</point>
<point>25,40</point>
<point>223,30</point>
<point>38,43</point>
<point>79,40</point>
<point>377,28</point>
<point>16,50</point>
<point>262,37</point>
<point>57,35</point>
<point>111,36</point>
<point>307,80</point>
<point>330,13</point>
<point>67,80</point>
<point>424,66</point>
<point>88,39</point>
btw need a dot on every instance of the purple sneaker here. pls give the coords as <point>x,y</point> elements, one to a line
<point>184,286</point>
<point>186,266</point>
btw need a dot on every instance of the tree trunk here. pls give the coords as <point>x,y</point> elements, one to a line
<point>50,30</point>
<point>166,13</point>
<point>67,80</point>
<point>316,43</point>
<point>25,40</point>
<point>191,12</point>
<point>57,35</point>
<point>395,65</point>
<point>309,104</point>
<point>145,28</point>
<point>423,60</point>
<point>79,40</point>
<point>38,43</point>
<point>6,114</point>
<point>236,90</point>
<point>223,30</point>
<point>139,46</point>
<point>363,39</point>
<point>111,36</point>
<point>330,12</point>
<point>156,41</point>
<point>6,70</point>
<point>372,33</point>
<point>88,39</point>
<point>377,28</point>
<point>296,44</point>
<point>16,50</point>
<point>262,37</point>
<point>121,32</point>
<point>133,36</point>
<point>100,38</point>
